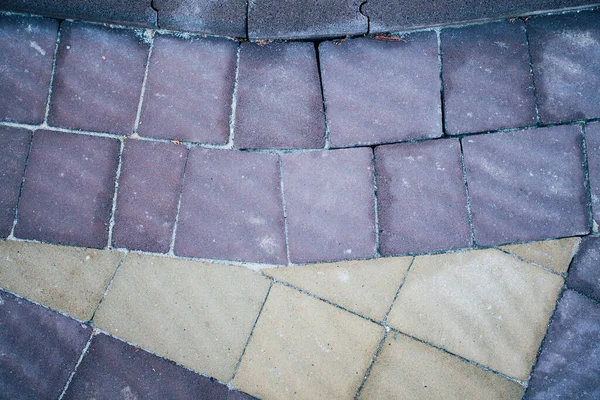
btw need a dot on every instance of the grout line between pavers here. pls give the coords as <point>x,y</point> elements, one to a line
<point>234,96</point>
<point>587,183</point>
<point>532,74</point>
<point>110,282</point>
<point>562,275</point>
<point>375,205</point>
<point>176,222</point>
<point>11,235</point>
<point>81,357</point>
<point>438,32</point>
<point>468,194</point>
<point>370,367</point>
<point>283,205</point>
<point>389,310</point>
<point>138,114</point>
<point>113,211</point>
<point>327,132</point>
<point>52,74</point>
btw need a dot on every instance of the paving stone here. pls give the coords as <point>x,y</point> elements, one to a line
<point>379,91</point>
<point>189,89</point>
<point>237,395</point>
<point>565,50</point>
<point>98,78</point>
<point>14,146</point>
<point>68,191</point>
<point>279,101</point>
<point>149,187</point>
<point>526,185</point>
<point>68,279</point>
<point>197,314</point>
<point>584,274</point>
<point>114,369</point>
<point>484,305</point>
<point>322,225</point>
<point>553,254</point>
<point>39,349</point>
<point>567,367</point>
<point>28,49</point>
<point>487,82</point>
<point>313,19</point>
<point>350,284</point>
<point>231,207</point>
<point>422,198</point>
<point>307,349</point>
<point>408,369</point>
<point>592,142</point>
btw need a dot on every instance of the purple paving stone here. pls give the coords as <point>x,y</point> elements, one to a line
<point>25,66</point>
<point>14,146</point>
<point>149,188</point>
<point>98,78</point>
<point>189,89</point>
<point>379,91</point>
<point>38,349</point>
<point>68,190</point>
<point>329,198</point>
<point>279,97</point>
<point>231,207</point>
<point>487,82</point>
<point>526,185</point>
<point>565,50</point>
<point>568,366</point>
<point>422,198</point>
<point>237,395</point>
<point>584,273</point>
<point>592,140</point>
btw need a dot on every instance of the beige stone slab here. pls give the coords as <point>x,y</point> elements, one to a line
<point>195,313</point>
<point>408,369</point>
<point>68,279</point>
<point>484,305</point>
<point>552,254</point>
<point>304,348</point>
<point>365,287</point>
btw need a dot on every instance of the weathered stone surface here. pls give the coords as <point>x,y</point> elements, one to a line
<point>592,141</point>
<point>553,254</point>
<point>584,274</point>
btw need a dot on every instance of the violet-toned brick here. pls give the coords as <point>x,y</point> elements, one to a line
<point>231,207</point>
<point>592,140</point>
<point>149,188</point>
<point>487,82</point>
<point>25,66</point>
<point>526,185</point>
<point>584,273</point>
<point>98,78</point>
<point>189,89</point>
<point>279,97</point>
<point>329,197</point>
<point>422,198</point>
<point>68,190</point>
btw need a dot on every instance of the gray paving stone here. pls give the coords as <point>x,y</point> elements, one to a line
<point>28,49</point>
<point>189,89</point>
<point>379,91</point>
<point>279,97</point>
<point>584,273</point>
<point>487,82</point>
<point>39,349</point>
<point>568,367</point>
<point>526,185</point>
<point>421,197</point>
<point>565,51</point>
<point>231,207</point>
<point>98,78</point>
<point>592,141</point>
<point>149,187</point>
<point>329,205</point>
<point>68,190</point>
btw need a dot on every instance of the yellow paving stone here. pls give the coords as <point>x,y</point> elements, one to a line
<point>303,348</point>
<point>553,254</point>
<point>365,287</point>
<point>68,279</point>
<point>408,369</point>
<point>484,305</point>
<point>195,313</point>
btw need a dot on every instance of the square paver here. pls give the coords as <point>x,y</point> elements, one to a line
<point>329,199</point>
<point>307,349</point>
<point>149,187</point>
<point>553,254</point>
<point>379,91</point>
<point>279,101</point>
<point>98,78</point>
<point>25,67</point>
<point>487,81</point>
<point>68,191</point>
<point>584,274</point>
<point>231,207</point>
<point>565,50</point>
<point>592,144</point>
<point>189,89</point>
<point>421,197</point>
<point>526,185</point>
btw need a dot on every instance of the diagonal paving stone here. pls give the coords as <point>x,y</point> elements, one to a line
<point>592,141</point>
<point>584,274</point>
<point>553,254</point>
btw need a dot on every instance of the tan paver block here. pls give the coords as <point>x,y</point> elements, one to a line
<point>365,287</point>
<point>408,369</point>
<point>484,305</point>
<point>553,254</point>
<point>195,313</point>
<point>68,279</point>
<point>303,348</point>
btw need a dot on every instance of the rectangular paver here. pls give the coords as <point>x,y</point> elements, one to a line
<point>553,254</point>
<point>592,142</point>
<point>584,274</point>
